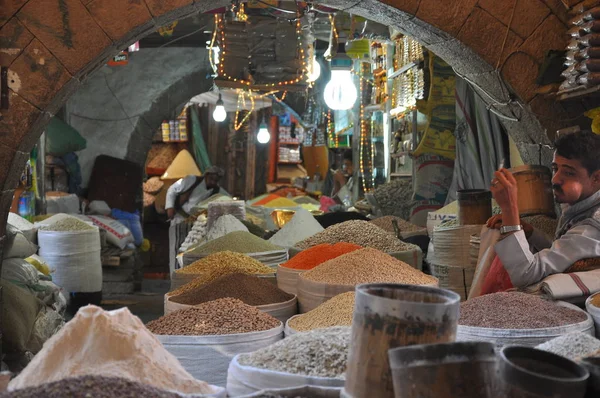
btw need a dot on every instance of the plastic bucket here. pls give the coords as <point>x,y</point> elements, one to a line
<point>529,373</point>
<point>594,312</point>
<point>392,315</point>
<point>466,370</point>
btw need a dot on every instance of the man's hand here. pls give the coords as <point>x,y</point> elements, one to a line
<point>504,190</point>
<point>495,222</point>
<point>170,213</point>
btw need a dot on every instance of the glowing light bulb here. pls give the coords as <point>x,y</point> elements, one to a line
<point>340,93</point>
<point>263,135</point>
<point>219,113</point>
<point>315,70</point>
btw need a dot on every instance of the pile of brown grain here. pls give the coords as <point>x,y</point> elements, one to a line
<point>223,316</point>
<point>336,311</point>
<point>367,266</point>
<point>387,223</point>
<point>515,310</point>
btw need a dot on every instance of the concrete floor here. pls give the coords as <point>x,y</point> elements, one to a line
<point>147,304</point>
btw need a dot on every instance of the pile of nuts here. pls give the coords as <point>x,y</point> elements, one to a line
<point>223,316</point>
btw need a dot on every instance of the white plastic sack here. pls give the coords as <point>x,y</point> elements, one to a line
<point>62,204</point>
<point>19,247</point>
<point>27,228</point>
<point>306,391</point>
<point>243,380</point>
<point>99,207</point>
<point>207,357</point>
<point>75,256</point>
<point>47,323</point>
<point>116,233</point>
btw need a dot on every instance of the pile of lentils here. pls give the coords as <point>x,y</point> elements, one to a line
<point>90,387</point>
<point>574,346</point>
<point>310,258</point>
<point>361,233</point>
<point>223,316</point>
<point>367,266</point>
<point>68,224</point>
<point>336,311</point>
<point>319,353</point>
<point>239,242</point>
<point>215,273</point>
<point>250,289</point>
<point>387,223</point>
<point>222,259</point>
<point>516,310</point>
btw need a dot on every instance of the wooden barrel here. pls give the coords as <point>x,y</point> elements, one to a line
<point>535,190</point>
<point>474,206</point>
<point>388,316</point>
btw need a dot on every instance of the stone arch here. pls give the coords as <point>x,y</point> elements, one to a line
<point>50,46</point>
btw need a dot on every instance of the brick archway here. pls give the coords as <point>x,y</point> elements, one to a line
<point>50,46</point>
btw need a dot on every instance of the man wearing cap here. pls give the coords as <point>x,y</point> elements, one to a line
<point>191,190</point>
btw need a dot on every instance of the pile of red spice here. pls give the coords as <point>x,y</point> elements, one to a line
<point>316,255</point>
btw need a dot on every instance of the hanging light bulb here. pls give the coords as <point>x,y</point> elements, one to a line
<point>219,113</point>
<point>263,136</point>
<point>340,93</point>
<point>315,70</point>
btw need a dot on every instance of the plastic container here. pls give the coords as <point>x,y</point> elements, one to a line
<point>282,311</point>
<point>207,357</point>
<point>388,316</point>
<point>534,190</point>
<point>594,312</point>
<point>525,337</point>
<point>466,370</point>
<point>242,380</point>
<point>529,373</point>
<point>592,365</point>
<point>474,206</point>
<point>287,279</point>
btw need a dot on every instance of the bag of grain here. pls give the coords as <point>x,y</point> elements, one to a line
<point>291,363</point>
<point>116,233</point>
<point>18,246</point>
<point>19,312</point>
<point>99,207</point>
<point>518,318</point>
<point>72,248</point>
<point>306,391</point>
<point>27,228</point>
<point>212,333</point>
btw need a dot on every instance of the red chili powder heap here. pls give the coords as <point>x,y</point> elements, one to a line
<point>310,258</point>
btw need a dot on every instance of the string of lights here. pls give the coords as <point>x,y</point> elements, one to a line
<point>300,49</point>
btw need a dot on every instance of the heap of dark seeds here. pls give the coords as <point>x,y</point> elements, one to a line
<point>516,311</point>
<point>90,387</point>
<point>248,288</point>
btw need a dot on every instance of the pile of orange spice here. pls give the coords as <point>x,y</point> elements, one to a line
<point>316,255</point>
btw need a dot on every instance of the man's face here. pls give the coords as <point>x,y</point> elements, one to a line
<point>212,181</point>
<point>571,182</point>
<point>347,166</point>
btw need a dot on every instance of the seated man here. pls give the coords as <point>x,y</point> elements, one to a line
<point>576,186</point>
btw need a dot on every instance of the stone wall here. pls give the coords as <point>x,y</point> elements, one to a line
<point>118,109</point>
<point>51,46</point>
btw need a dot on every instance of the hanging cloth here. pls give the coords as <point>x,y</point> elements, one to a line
<point>200,151</point>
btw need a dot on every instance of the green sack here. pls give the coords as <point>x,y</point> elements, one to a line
<point>62,138</point>
<point>19,312</point>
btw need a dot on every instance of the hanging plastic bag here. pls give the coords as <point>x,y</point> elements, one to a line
<point>489,237</point>
<point>497,278</point>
